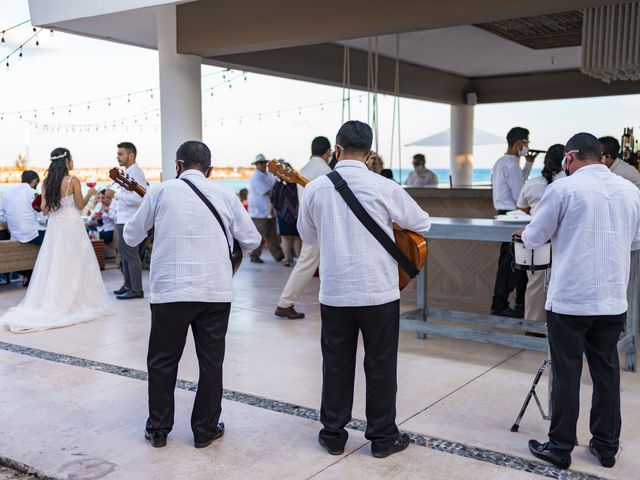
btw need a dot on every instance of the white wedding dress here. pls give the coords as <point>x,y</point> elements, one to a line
<point>66,286</point>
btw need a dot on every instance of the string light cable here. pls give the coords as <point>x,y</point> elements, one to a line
<point>18,49</point>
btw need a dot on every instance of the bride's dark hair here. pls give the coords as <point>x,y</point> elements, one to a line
<point>54,175</point>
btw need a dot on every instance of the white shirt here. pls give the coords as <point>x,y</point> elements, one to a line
<point>533,190</point>
<point>508,179</point>
<point>260,185</point>
<point>593,220</point>
<point>314,168</point>
<point>16,211</point>
<point>623,169</point>
<point>108,218</point>
<point>129,202</point>
<point>190,258</point>
<point>424,178</point>
<point>355,269</point>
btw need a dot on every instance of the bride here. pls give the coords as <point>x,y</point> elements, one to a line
<point>66,285</point>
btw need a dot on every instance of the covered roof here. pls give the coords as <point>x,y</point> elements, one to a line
<point>498,50</point>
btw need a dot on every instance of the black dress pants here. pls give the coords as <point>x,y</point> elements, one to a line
<point>380,327</point>
<point>507,279</point>
<point>596,336</point>
<point>169,326</point>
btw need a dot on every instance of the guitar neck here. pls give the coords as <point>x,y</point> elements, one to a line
<point>139,190</point>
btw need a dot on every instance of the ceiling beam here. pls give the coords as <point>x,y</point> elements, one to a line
<point>547,86</point>
<point>219,27</point>
<point>324,64</point>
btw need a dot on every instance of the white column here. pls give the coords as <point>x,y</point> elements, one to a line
<point>461,164</point>
<point>180,92</point>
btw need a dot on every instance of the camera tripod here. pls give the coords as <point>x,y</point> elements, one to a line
<point>532,393</point>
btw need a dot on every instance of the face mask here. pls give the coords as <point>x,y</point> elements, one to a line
<point>523,151</point>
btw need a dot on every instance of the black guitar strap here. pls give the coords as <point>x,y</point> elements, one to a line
<point>370,224</point>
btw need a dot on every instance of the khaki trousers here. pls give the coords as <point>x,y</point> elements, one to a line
<point>301,275</point>
<point>536,296</point>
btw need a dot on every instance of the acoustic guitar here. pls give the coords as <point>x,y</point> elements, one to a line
<point>128,183</point>
<point>412,244</point>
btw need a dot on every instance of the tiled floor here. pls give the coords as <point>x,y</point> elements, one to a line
<point>74,422</point>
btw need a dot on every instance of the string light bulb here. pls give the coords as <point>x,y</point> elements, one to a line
<point>51,33</point>
<point>20,54</point>
<point>2,39</point>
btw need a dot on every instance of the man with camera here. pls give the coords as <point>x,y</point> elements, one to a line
<point>592,218</point>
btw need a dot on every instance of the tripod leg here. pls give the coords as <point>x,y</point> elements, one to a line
<point>532,392</point>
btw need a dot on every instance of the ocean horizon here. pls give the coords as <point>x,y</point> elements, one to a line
<point>481,176</point>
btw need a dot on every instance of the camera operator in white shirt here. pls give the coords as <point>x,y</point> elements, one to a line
<point>592,218</point>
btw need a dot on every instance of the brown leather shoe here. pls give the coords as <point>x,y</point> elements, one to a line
<point>289,313</point>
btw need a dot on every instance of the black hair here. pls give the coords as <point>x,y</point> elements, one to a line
<point>194,153</point>
<point>553,161</point>
<point>355,137</point>
<point>129,147</point>
<point>610,146</point>
<point>55,174</point>
<point>421,157</point>
<point>29,176</point>
<point>588,146</point>
<point>319,146</point>
<point>515,134</point>
<point>103,191</point>
<point>387,173</point>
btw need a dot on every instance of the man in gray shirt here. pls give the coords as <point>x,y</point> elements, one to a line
<point>611,158</point>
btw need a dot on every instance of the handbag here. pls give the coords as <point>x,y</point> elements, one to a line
<point>235,254</point>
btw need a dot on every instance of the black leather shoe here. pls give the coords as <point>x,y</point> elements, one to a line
<point>541,451</point>
<point>157,439</point>
<point>121,290</point>
<point>508,312</point>
<point>130,294</point>
<point>401,443</point>
<point>217,435</point>
<point>257,260</point>
<point>332,451</point>
<point>606,462</point>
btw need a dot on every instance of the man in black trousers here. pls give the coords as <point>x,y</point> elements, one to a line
<point>593,221</point>
<point>507,180</point>
<point>358,291</point>
<point>191,285</point>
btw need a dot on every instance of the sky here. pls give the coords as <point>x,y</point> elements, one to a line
<point>239,121</point>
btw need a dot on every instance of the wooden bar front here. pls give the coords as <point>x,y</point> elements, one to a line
<point>461,273</point>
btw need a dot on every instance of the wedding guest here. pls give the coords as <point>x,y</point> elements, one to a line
<point>309,258</point>
<point>191,285</point>
<point>421,175</point>
<point>611,158</point>
<point>243,195</point>
<point>16,210</point>
<point>284,198</point>
<point>359,291</point>
<point>387,173</point>
<point>128,204</point>
<point>104,216</point>
<point>260,187</point>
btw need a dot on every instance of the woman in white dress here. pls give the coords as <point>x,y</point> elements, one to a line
<point>66,286</point>
<point>530,195</point>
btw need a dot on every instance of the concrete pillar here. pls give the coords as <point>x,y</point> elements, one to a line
<point>180,92</point>
<point>461,165</point>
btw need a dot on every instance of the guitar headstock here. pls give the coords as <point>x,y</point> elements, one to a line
<point>285,172</point>
<point>125,181</point>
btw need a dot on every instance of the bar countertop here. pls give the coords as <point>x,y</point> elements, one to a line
<point>472,229</point>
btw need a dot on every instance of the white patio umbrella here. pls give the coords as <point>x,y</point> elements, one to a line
<point>443,139</point>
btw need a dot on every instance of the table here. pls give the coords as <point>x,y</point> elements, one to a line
<point>497,329</point>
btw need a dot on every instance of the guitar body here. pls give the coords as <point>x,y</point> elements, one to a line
<point>414,246</point>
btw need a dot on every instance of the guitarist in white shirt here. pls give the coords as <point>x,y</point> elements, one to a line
<point>359,291</point>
